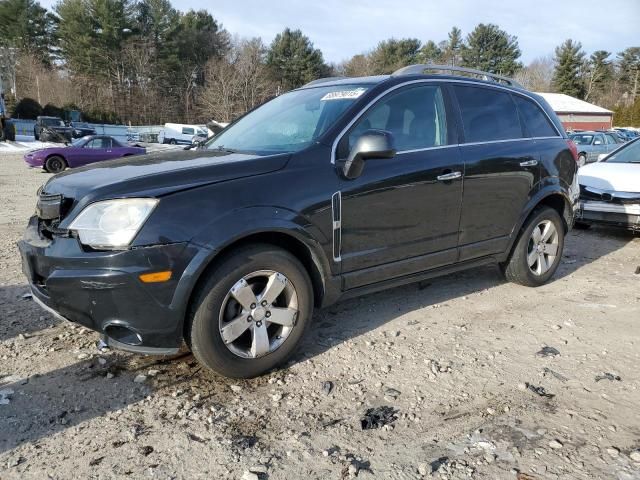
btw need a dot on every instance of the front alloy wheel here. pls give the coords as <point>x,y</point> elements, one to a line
<point>250,313</point>
<point>258,314</point>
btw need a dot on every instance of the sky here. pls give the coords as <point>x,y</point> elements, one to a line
<point>342,29</point>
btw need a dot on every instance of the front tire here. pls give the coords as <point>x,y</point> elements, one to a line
<point>55,164</point>
<point>538,250</point>
<point>251,312</point>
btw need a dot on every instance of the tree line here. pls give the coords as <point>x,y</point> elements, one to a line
<point>145,62</point>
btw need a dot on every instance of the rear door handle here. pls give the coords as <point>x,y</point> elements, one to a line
<point>445,177</point>
<point>529,163</point>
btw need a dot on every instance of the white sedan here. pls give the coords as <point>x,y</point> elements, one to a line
<point>610,189</point>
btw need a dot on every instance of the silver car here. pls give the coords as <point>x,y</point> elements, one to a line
<point>592,144</point>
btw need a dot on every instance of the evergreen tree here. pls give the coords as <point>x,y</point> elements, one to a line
<point>26,25</point>
<point>453,48</point>
<point>598,73</point>
<point>491,50</point>
<point>430,53</point>
<point>569,61</point>
<point>293,60</point>
<point>393,54</point>
<point>629,68</point>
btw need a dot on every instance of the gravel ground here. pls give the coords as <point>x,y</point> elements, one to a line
<point>454,358</point>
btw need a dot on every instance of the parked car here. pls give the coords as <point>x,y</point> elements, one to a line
<point>591,144</point>
<point>83,151</point>
<point>176,133</point>
<point>52,129</point>
<point>339,188</point>
<point>610,189</point>
<point>81,129</point>
<point>627,133</point>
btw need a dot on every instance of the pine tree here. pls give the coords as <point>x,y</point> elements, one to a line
<point>453,48</point>
<point>26,25</point>
<point>598,73</point>
<point>430,53</point>
<point>629,68</point>
<point>392,54</point>
<point>567,78</point>
<point>491,50</point>
<point>293,60</point>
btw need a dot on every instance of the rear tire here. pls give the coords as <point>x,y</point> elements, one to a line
<point>173,141</point>
<point>55,164</point>
<point>235,294</point>
<point>536,255</point>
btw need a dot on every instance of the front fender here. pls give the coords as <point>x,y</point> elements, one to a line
<point>240,224</point>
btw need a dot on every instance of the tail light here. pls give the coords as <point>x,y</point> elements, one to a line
<point>573,148</point>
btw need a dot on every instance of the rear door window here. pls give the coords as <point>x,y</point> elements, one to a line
<point>611,140</point>
<point>535,121</point>
<point>187,131</point>
<point>415,117</point>
<point>488,114</point>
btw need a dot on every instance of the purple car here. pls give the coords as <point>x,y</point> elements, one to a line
<point>83,151</point>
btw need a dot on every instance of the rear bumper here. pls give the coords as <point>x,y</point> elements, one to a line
<point>612,214</point>
<point>102,290</point>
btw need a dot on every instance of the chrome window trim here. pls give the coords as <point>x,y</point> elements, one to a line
<point>334,147</point>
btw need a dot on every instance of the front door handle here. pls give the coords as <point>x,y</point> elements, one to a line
<point>529,163</point>
<point>446,177</point>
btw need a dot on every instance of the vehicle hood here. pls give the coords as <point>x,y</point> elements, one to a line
<point>619,177</point>
<point>43,152</point>
<point>158,174</point>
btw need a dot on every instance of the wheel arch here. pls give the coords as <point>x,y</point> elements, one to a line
<point>64,159</point>
<point>552,196</point>
<point>314,263</point>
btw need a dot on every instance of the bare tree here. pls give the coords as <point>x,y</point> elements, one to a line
<point>236,83</point>
<point>538,75</point>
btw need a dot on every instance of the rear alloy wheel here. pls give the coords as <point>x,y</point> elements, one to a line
<point>55,164</point>
<point>251,313</point>
<point>537,252</point>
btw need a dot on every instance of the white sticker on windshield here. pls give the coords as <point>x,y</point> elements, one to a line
<point>344,94</point>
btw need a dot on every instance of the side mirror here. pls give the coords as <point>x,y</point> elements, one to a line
<point>597,142</point>
<point>602,156</point>
<point>371,145</point>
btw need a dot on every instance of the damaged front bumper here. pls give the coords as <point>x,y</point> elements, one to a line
<point>101,290</point>
<point>623,215</point>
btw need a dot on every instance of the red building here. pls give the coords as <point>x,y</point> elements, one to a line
<point>577,114</point>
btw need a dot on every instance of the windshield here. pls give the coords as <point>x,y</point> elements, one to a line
<point>289,122</point>
<point>52,122</point>
<point>582,139</point>
<point>630,153</point>
<point>79,142</point>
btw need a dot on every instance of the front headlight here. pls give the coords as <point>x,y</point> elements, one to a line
<point>112,223</point>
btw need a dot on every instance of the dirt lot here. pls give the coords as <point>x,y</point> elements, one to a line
<point>454,357</point>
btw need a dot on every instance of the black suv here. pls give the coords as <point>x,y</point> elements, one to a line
<point>49,129</point>
<point>339,188</point>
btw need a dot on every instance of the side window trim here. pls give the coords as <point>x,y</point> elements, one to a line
<point>444,85</point>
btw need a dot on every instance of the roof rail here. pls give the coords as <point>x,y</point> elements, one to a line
<point>490,77</point>
<point>322,80</point>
